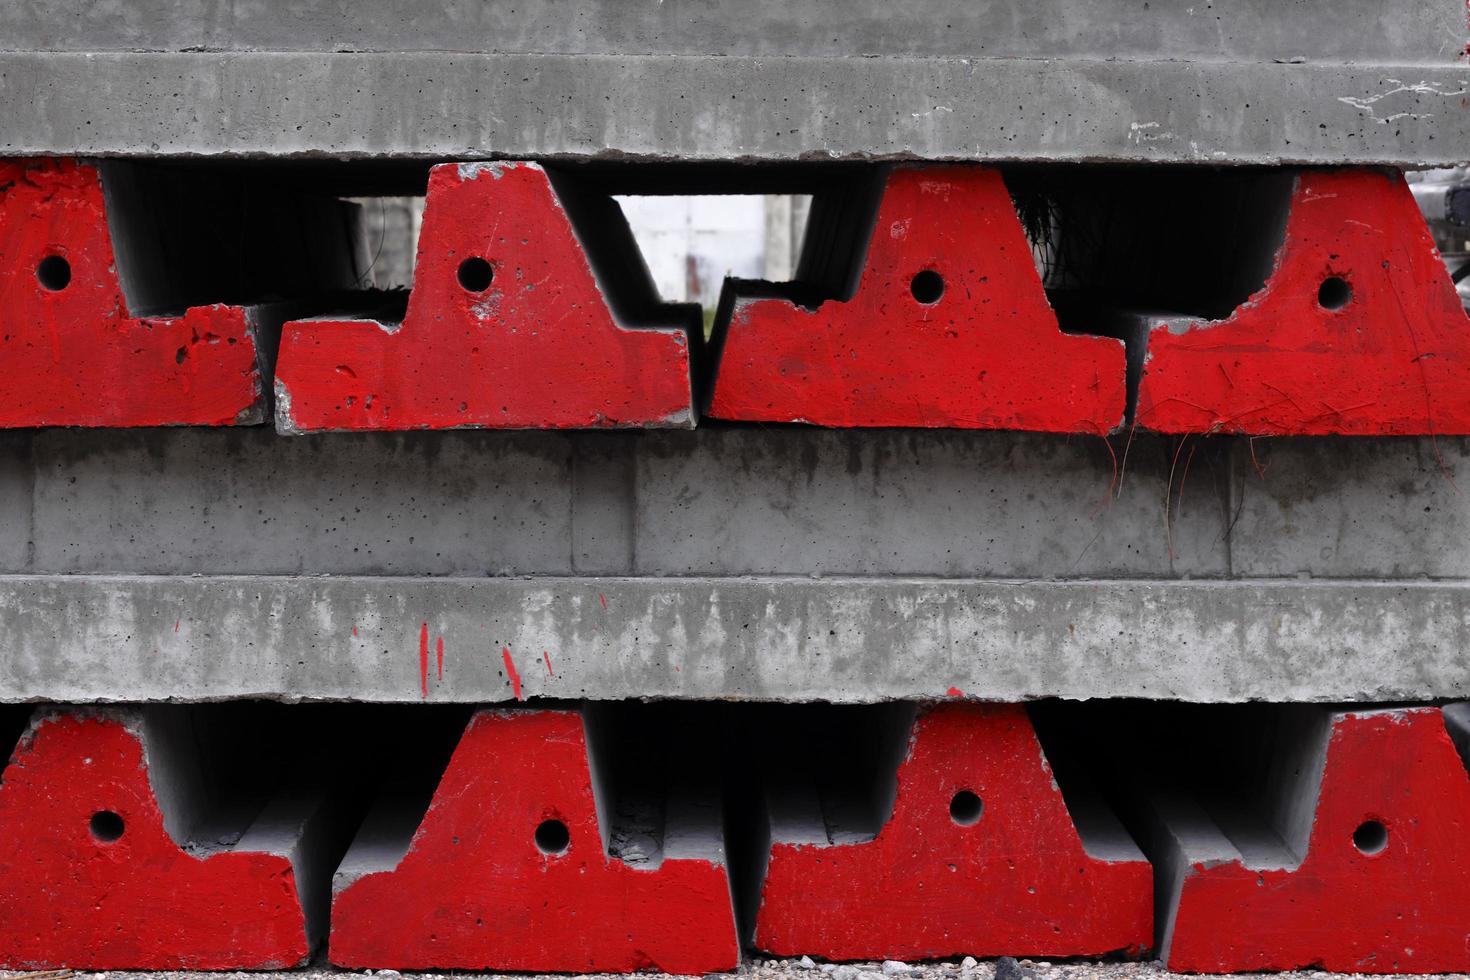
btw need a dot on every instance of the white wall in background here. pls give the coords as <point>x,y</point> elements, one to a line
<point>692,243</point>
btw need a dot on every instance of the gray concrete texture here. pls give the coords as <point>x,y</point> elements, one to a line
<point>1312,81</point>
<point>743,108</point>
<point>732,501</point>
<point>1403,31</point>
<point>200,638</point>
<point>781,564</point>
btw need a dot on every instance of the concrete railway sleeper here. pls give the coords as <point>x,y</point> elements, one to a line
<point>1047,298</point>
<point>620,836</point>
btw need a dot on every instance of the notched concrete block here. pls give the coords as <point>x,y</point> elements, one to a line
<point>1357,331</point>
<point>1351,855</point>
<point>116,854</point>
<point>527,291</point>
<point>918,305</point>
<point>515,867</point>
<point>976,852</point>
<point>73,353</point>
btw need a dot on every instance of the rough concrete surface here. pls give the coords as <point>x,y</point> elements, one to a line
<point>795,970</point>
<point>236,104</point>
<point>1365,31</point>
<point>201,638</point>
<point>1321,81</point>
<point>724,502</point>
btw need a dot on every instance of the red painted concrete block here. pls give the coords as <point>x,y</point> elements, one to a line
<point>70,352</point>
<point>92,876</point>
<point>979,855</point>
<point>509,870</point>
<point>1380,886</point>
<point>949,327</point>
<point>1357,331</point>
<point>506,328</point>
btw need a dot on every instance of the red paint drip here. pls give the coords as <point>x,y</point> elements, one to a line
<point>602,599</point>
<point>176,625</point>
<point>546,657</point>
<point>354,631</point>
<point>510,670</point>
<point>424,658</point>
<point>439,656</point>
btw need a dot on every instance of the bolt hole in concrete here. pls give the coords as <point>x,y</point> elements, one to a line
<point>1371,837</point>
<point>965,808</point>
<point>475,275</point>
<point>552,837</point>
<point>1334,293</point>
<point>927,287</point>
<point>106,826</point>
<point>53,273</point>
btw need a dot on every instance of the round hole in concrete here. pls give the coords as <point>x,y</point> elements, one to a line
<point>53,273</point>
<point>552,837</point>
<point>475,274</point>
<point>106,826</point>
<point>927,287</point>
<point>1370,837</point>
<point>1334,293</point>
<point>965,808</point>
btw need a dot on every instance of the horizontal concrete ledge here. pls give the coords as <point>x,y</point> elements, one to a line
<point>133,638</point>
<point>696,107</point>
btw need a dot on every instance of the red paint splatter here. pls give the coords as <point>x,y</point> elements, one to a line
<point>176,625</point>
<point>424,658</point>
<point>955,692</point>
<point>354,631</point>
<point>439,656</point>
<point>510,670</point>
<point>602,599</point>
<point>546,657</point>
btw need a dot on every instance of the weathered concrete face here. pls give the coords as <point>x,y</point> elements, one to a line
<point>784,639</point>
<point>721,502</point>
<point>1026,577</point>
<point>1406,31</point>
<point>709,502</point>
<point>752,108</point>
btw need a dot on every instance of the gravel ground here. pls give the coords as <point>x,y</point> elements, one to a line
<point>804,969</point>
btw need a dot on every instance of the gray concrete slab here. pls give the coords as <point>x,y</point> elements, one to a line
<point>730,501</point>
<point>1407,31</point>
<point>721,502</point>
<point>17,490</point>
<point>207,501</point>
<point>949,503</point>
<point>1288,107</point>
<point>85,638</point>
<point>1349,508</point>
